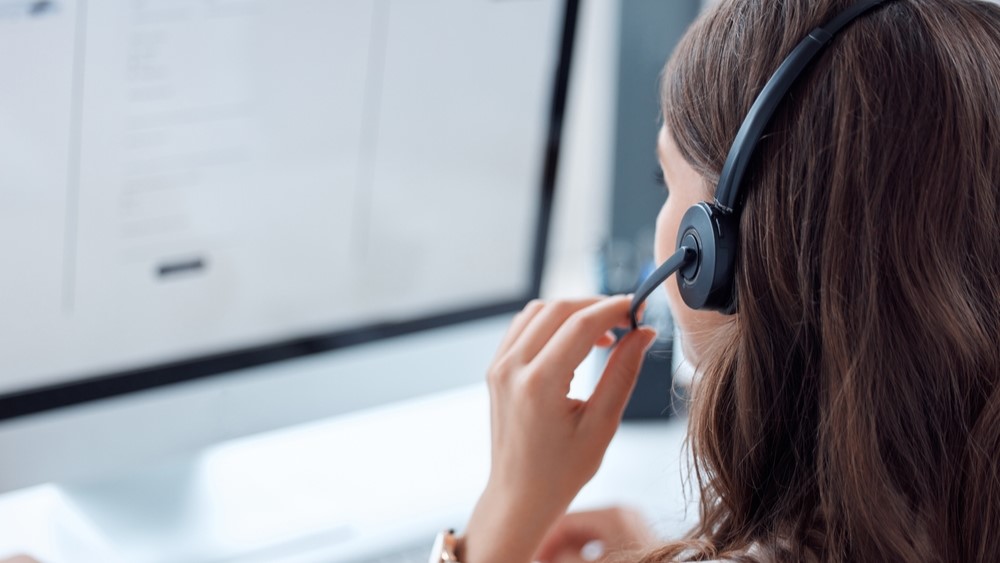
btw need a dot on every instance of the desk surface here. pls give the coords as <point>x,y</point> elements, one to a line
<point>327,491</point>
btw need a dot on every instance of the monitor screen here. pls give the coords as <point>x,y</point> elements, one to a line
<point>192,186</point>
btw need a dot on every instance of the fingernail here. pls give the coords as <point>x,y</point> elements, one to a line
<point>650,334</point>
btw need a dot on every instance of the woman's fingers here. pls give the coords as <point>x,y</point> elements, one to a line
<point>606,340</point>
<point>541,328</point>
<point>615,528</point>
<point>566,539</point>
<point>611,394</point>
<point>517,325</point>
<point>544,319</point>
<point>575,338</point>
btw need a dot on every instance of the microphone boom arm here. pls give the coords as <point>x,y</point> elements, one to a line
<point>684,256</point>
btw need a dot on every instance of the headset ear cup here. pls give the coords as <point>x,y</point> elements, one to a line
<point>708,283</point>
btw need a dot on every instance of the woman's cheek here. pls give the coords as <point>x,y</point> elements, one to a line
<point>667,224</point>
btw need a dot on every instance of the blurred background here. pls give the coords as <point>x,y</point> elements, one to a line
<point>259,254</point>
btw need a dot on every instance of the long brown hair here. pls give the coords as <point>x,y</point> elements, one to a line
<point>851,410</point>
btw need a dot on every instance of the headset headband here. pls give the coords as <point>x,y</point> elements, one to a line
<point>727,194</point>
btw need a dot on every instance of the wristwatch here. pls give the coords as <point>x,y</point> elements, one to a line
<point>444,548</point>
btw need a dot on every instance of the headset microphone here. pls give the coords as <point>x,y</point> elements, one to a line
<point>707,240</point>
<point>684,256</point>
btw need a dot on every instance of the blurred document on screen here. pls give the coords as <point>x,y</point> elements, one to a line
<point>188,177</point>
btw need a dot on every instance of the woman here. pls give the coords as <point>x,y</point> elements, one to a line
<point>849,410</point>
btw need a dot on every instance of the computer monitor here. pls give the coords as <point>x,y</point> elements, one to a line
<point>219,218</point>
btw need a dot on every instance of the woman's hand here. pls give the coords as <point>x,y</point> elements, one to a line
<point>612,529</point>
<point>546,446</point>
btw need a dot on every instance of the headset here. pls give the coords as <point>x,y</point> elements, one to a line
<point>707,241</point>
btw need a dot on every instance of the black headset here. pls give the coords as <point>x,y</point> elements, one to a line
<point>708,238</point>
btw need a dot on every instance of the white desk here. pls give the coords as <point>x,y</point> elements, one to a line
<point>329,491</point>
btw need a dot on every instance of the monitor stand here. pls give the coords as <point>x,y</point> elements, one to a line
<point>170,513</point>
<point>159,507</point>
<point>342,489</point>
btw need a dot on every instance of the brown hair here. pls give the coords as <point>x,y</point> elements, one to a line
<point>851,410</point>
